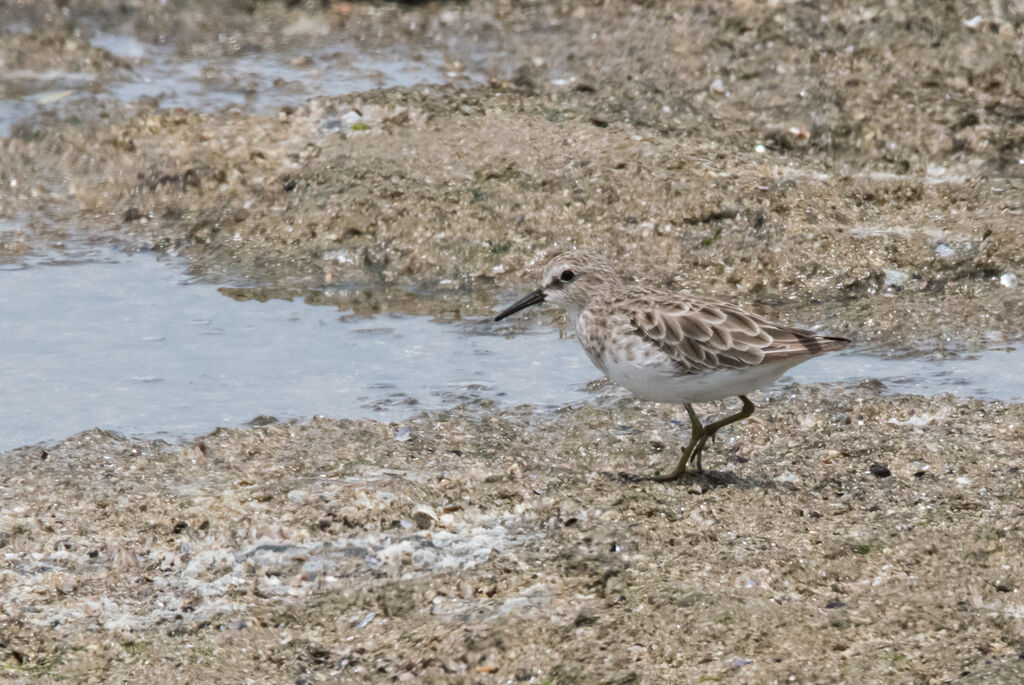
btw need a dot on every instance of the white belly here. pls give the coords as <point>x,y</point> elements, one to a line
<point>660,382</point>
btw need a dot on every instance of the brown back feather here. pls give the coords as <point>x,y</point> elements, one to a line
<point>700,334</point>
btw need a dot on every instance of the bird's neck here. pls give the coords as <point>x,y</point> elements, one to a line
<point>597,300</point>
<point>573,310</point>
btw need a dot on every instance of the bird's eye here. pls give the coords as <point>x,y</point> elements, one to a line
<point>567,276</point>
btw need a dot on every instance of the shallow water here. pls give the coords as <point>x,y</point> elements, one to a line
<point>262,81</point>
<point>990,375</point>
<point>97,338</point>
<point>129,343</point>
<point>258,82</point>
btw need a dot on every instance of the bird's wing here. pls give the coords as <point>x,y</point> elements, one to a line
<point>701,335</point>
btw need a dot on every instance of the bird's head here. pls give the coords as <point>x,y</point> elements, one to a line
<point>571,280</point>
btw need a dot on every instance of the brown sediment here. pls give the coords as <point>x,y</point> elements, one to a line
<point>354,550</point>
<point>879,202</point>
<point>852,167</point>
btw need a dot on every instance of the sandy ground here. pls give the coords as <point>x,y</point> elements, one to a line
<point>855,167</point>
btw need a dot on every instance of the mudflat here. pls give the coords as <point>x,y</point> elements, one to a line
<point>854,167</point>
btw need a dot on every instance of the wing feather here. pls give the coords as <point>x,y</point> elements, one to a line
<point>693,327</point>
<point>749,355</point>
<point>692,355</point>
<point>673,330</point>
<point>721,337</point>
<point>707,335</point>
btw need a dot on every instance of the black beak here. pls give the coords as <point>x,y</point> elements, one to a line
<point>536,297</point>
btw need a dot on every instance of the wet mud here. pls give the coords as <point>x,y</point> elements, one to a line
<point>835,537</point>
<point>858,168</point>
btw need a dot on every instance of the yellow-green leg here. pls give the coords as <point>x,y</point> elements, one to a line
<point>696,436</point>
<point>699,434</point>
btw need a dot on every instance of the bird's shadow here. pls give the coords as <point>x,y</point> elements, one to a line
<point>711,479</point>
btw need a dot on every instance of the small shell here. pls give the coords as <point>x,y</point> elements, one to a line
<point>424,516</point>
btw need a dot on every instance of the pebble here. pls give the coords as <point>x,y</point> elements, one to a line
<point>1008,280</point>
<point>297,496</point>
<point>880,470</point>
<point>424,516</point>
<point>350,117</point>
<point>895,278</point>
<point>586,616</point>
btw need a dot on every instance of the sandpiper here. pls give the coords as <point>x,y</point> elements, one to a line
<point>672,346</point>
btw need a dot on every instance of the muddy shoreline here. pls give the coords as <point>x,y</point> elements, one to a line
<point>462,547</point>
<point>858,169</point>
